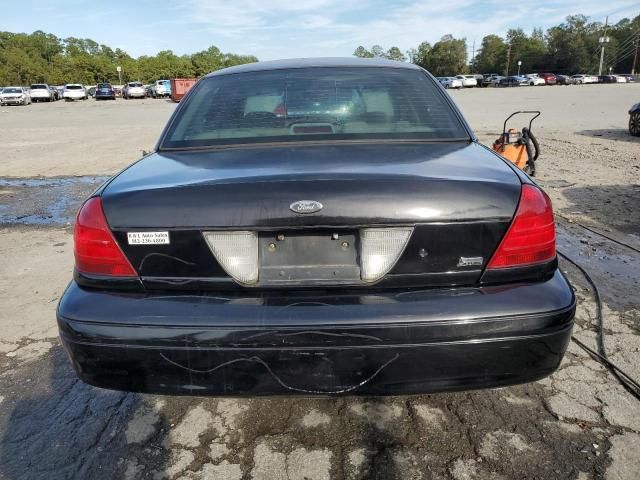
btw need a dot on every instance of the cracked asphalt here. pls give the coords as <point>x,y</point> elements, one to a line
<point>578,424</point>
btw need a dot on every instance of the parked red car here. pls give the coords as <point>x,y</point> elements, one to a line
<point>549,78</point>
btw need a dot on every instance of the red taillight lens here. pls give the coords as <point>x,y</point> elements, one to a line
<point>280,110</point>
<point>96,251</point>
<point>531,238</point>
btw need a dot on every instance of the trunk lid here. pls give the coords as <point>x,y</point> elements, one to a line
<point>356,184</point>
<point>458,197</point>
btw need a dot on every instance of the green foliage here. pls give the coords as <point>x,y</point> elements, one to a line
<point>362,52</point>
<point>493,55</point>
<point>421,54</point>
<point>447,57</point>
<point>571,47</point>
<point>42,57</point>
<point>394,53</point>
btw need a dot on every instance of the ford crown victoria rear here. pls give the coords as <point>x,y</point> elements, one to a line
<point>326,227</point>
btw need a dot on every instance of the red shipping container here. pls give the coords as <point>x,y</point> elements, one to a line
<point>180,87</point>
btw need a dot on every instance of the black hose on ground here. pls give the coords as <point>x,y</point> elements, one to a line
<point>627,381</point>
<point>622,244</point>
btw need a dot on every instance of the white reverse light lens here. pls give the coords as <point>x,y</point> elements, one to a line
<point>380,250</point>
<point>237,253</point>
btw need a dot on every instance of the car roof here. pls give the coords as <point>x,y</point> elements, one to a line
<point>314,62</point>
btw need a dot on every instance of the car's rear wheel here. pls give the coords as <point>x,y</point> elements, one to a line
<point>634,124</point>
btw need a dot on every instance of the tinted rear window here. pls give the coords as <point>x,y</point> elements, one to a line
<point>311,104</point>
<point>73,87</point>
<point>37,86</point>
<point>103,85</point>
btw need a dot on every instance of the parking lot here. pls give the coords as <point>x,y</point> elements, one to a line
<point>580,423</point>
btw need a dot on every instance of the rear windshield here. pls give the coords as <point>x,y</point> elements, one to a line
<point>38,86</point>
<point>311,104</point>
<point>103,85</point>
<point>135,84</point>
<point>73,87</point>
<point>12,90</point>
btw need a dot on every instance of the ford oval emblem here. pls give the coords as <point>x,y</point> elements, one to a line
<point>305,206</point>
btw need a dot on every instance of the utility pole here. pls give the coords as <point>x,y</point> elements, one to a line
<point>635,58</point>
<point>473,57</point>
<point>603,40</point>
<point>508,59</point>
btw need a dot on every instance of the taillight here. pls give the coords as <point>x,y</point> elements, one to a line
<point>96,251</point>
<point>280,110</point>
<point>531,238</point>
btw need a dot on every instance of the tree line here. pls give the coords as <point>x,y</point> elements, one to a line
<point>42,57</point>
<point>571,47</point>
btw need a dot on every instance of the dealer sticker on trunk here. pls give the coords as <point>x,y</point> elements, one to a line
<point>148,238</point>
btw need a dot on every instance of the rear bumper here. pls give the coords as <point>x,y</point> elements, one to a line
<point>375,344</point>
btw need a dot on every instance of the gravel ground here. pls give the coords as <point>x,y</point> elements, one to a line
<point>579,423</point>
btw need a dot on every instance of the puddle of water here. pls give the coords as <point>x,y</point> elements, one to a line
<point>44,201</point>
<point>615,268</point>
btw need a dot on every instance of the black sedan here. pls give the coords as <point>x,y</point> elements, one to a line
<point>512,81</point>
<point>565,80</point>
<point>104,91</point>
<point>325,226</point>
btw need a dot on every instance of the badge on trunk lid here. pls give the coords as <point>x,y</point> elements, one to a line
<point>305,206</point>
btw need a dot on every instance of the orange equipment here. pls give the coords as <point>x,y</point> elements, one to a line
<point>518,147</point>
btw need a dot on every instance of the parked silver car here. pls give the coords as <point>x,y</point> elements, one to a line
<point>133,90</point>
<point>15,96</point>
<point>40,92</point>
<point>450,82</point>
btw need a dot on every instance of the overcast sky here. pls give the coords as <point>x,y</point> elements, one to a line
<point>274,29</point>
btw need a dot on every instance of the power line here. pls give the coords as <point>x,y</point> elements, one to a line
<point>628,42</point>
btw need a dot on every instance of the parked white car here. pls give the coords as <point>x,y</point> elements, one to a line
<point>74,91</point>
<point>161,88</point>
<point>585,79</point>
<point>41,92</point>
<point>450,82</point>
<point>15,96</point>
<point>621,79</point>
<point>535,79</point>
<point>468,80</point>
<point>133,90</point>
